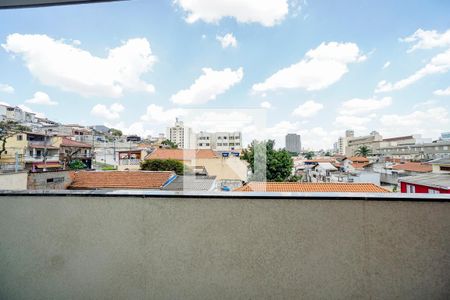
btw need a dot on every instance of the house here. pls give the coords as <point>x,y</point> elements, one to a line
<point>426,183</point>
<point>70,150</point>
<point>224,168</point>
<point>412,168</point>
<point>353,163</point>
<point>94,180</point>
<point>130,159</point>
<point>440,165</point>
<point>311,187</point>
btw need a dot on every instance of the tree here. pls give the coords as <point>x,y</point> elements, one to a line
<point>266,163</point>
<point>77,165</point>
<point>169,144</point>
<point>115,132</point>
<point>7,130</point>
<point>164,165</point>
<point>363,151</point>
<point>308,155</point>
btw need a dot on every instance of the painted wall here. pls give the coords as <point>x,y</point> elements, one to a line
<point>166,248</point>
<point>57,180</point>
<point>13,181</point>
<point>421,189</point>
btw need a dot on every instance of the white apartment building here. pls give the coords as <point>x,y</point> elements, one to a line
<point>17,114</point>
<point>219,141</point>
<point>182,136</point>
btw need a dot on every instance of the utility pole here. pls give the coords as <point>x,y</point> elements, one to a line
<point>44,157</point>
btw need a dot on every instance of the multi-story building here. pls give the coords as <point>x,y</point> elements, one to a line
<point>17,114</point>
<point>445,136</point>
<point>219,141</point>
<point>293,143</point>
<point>417,151</point>
<point>181,135</point>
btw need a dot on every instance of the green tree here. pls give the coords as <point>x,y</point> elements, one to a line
<point>116,132</point>
<point>267,163</point>
<point>363,151</point>
<point>308,155</point>
<point>7,130</point>
<point>77,165</point>
<point>164,165</point>
<point>169,144</point>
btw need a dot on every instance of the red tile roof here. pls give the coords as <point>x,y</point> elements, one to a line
<point>359,159</point>
<point>414,167</point>
<point>120,180</point>
<point>71,143</point>
<point>181,154</point>
<point>311,187</point>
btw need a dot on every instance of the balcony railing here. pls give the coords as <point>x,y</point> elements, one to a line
<point>40,158</point>
<point>129,162</point>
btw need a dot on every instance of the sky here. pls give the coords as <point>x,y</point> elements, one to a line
<point>265,67</point>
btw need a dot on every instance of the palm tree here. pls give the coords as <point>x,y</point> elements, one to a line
<point>363,151</point>
<point>308,155</point>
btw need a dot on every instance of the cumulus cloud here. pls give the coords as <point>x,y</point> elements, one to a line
<point>308,109</point>
<point>320,68</point>
<point>358,106</point>
<point>386,65</point>
<point>228,40</point>
<point>41,98</point>
<point>427,39</point>
<point>110,113</point>
<point>354,122</point>
<point>208,86</point>
<point>430,121</point>
<point>6,88</point>
<point>445,92</point>
<point>266,104</point>
<point>265,12</point>
<point>70,68</point>
<point>439,64</point>
<point>157,114</point>
<point>220,120</point>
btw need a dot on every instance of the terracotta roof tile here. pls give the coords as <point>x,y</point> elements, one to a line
<point>71,143</point>
<point>414,167</point>
<point>120,180</point>
<point>181,154</point>
<point>311,187</point>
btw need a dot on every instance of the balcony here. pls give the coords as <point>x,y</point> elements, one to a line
<point>163,245</point>
<point>129,162</point>
<point>40,158</point>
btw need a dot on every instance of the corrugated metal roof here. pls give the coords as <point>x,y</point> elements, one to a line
<point>191,183</point>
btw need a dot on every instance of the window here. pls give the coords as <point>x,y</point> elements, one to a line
<point>19,137</point>
<point>433,191</point>
<point>410,189</point>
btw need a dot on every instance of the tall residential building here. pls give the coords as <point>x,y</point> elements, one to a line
<point>219,141</point>
<point>182,136</point>
<point>293,143</point>
<point>445,136</point>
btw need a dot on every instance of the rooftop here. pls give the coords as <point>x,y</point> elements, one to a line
<point>311,187</point>
<point>191,183</point>
<point>440,161</point>
<point>71,143</point>
<point>441,181</point>
<point>120,180</point>
<point>181,154</point>
<point>413,167</point>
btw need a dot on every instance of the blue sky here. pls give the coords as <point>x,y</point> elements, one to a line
<point>310,67</point>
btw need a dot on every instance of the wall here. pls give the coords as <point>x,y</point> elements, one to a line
<point>88,247</point>
<point>50,180</point>
<point>421,189</point>
<point>13,181</point>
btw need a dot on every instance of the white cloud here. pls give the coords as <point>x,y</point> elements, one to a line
<point>208,86</point>
<point>428,122</point>
<point>386,65</point>
<point>27,109</point>
<point>228,40</point>
<point>265,12</point>
<point>439,64</point>
<point>6,88</point>
<point>216,121</point>
<point>110,113</point>
<point>427,39</point>
<point>353,122</point>
<point>266,104</point>
<point>358,106</point>
<point>157,114</point>
<point>71,68</point>
<point>445,92</point>
<point>41,98</point>
<point>321,67</point>
<point>308,109</point>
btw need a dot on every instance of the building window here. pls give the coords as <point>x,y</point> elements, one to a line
<point>444,168</point>
<point>410,189</point>
<point>433,191</point>
<point>19,137</point>
<point>445,147</point>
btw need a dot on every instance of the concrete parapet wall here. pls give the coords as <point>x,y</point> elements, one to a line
<point>76,247</point>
